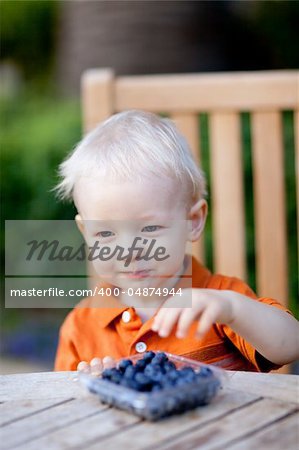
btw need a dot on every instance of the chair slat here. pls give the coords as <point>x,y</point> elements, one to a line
<point>227,195</point>
<point>188,124</point>
<point>97,88</point>
<point>269,205</point>
<point>208,92</point>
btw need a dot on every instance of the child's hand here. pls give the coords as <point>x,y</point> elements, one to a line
<point>96,365</point>
<point>208,305</point>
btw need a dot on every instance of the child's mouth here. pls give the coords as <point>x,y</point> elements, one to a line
<point>137,274</point>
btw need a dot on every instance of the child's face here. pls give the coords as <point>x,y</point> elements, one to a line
<point>114,214</point>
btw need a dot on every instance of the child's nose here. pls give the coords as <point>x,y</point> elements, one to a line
<point>126,242</point>
<point>133,248</point>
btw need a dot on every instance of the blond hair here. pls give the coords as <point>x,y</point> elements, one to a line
<point>130,146</point>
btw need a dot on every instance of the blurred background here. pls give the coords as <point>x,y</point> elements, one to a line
<point>45,47</point>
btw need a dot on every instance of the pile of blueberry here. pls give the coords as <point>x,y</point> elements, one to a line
<point>154,372</point>
<point>157,388</point>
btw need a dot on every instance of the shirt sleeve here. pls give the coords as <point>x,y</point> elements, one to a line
<point>247,350</point>
<point>67,357</point>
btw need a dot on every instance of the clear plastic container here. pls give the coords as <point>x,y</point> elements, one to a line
<point>162,403</point>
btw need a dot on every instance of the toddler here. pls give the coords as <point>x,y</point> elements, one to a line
<point>140,199</point>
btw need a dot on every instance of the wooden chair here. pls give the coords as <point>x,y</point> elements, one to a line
<point>264,95</point>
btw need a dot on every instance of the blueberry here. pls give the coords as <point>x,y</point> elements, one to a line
<point>125,382</point>
<point>187,370</point>
<point>160,358</point>
<point>130,372</point>
<point>141,378</point>
<point>130,383</point>
<point>155,361</point>
<point>151,368</point>
<point>116,377</point>
<point>124,364</point>
<point>181,381</point>
<point>144,381</point>
<point>148,356</point>
<point>156,377</point>
<point>168,384</point>
<point>169,366</point>
<point>156,386</point>
<point>160,368</point>
<point>188,374</point>
<point>109,373</point>
<point>205,372</point>
<point>154,371</point>
<point>172,375</point>
<point>140,365</point>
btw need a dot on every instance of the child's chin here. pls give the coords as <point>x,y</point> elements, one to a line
<point>136,283</point>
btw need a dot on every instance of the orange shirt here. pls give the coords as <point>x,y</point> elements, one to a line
<point>99,327</point>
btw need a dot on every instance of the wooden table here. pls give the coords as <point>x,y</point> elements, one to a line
<point>52,411</point>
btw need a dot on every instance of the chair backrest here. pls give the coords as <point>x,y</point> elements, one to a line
<point>264,95</point>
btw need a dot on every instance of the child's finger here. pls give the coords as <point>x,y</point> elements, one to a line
<point>163,313</point>
<point>163,317</point>
<point>108,362</point>
<point>207,319</point>
<point>169,320</point>
<point>185,321</point>
<point>96,366</point>
<point>158,320</point>
<point>83,366</point>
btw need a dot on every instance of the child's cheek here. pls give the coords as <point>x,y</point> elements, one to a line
<point>104,268</point>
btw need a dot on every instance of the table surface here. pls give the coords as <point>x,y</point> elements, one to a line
<point>51,410</point>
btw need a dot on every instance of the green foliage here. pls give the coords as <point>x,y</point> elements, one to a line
<point>36,134</point>
<point>27,34</point>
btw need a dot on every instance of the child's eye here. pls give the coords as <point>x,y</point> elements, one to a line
<point>105,234</point>
<point>151,228</point>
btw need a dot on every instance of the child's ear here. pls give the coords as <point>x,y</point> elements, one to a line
<point>197,215</point>
<point>80,223</point>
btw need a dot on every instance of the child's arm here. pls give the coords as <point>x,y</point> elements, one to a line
<point>271,331</point>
